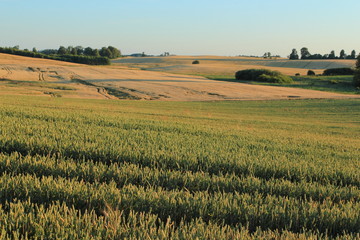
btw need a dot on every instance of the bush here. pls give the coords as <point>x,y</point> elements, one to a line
<point>338,71</point>
<point>297,74</point>
<point>263,75</point>
<point>311,73</point>
<point>196,62</point>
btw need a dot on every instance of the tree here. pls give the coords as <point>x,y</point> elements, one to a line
<point>70,49</point>
<point>267,55</point>
<point>115,53</point>
<point>62,50</point>
<point>294,55</point>
<point>316,56</point>
<point>95,53</point>
<point>353,54</point>
<point>88,51</point>
<point>49,51</point>
<point>79,50</point>
<point>311,73</point>
<point>74,51</point>
<point>342,54</point>
<point>305,54</point>
<point>34,50</point>
<point>105,52</point>
<point>332,55</point>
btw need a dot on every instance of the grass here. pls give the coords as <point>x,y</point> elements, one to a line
<point>337,84</point>
<point>18,83</point>
<point>74,168</point>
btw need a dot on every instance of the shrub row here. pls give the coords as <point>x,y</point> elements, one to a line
<point>90,60</point>
<point>262,75</point>
<point>338,71</point>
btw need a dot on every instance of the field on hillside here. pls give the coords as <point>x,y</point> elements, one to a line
<point>75,168</point>
<point>227,66</point>
<point>29,76</point>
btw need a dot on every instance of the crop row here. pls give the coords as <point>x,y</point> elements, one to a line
<point>123,174</point>
<point>26,220</point>
<point>265,168</point>
<point>269,212</point>
<point>155,144</point>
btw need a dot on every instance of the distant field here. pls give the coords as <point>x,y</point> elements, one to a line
<point>336,84</point>
<point>179,170</point>
<point>29,76</point>
<point>224,68</point>
<point>227,66</point>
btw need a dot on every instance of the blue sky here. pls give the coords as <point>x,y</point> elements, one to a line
<point>184,27</point>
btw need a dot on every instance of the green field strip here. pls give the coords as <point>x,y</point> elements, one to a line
<point>27,220</point>
<point>265,168</point>
<point>255,210</point>
<point>124,174</point>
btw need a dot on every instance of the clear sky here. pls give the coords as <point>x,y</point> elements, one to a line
<point>184,27</point>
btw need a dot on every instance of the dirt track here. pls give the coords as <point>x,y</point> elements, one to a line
<point>22,75</point>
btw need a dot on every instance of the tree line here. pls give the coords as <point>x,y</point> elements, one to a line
<point>305,54</point>
<point>109,52</point>
<point>70,54</point>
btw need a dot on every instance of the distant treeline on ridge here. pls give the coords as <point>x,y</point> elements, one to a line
<point>70,54</point>
<point>305,54</point>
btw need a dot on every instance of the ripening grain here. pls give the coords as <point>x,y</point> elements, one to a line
<point>245,170</point>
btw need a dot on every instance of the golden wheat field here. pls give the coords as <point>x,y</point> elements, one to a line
<point>167,78</point>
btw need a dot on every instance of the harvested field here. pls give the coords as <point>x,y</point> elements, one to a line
<point>28,76</point>
<point>228,65</point>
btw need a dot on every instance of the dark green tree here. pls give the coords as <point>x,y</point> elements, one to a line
<point>353,54</point>
<point>342,54</point>
<point>105,52</point>
<point>88,51</point>
<point>70,49</point>
<point>305,54</point>
<point>95,53</point>
<point>267,55</point>
<point>34,50</point>
<point>115,53</point>
<point>62,50</point>
<point>74,51</point>
<point>79,50</point>
<point>294,55</point>
<point>311,73</point>
<point>332,55</point>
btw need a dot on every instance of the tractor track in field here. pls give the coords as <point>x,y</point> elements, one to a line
<point>109,93</point>
<point>8,72</point>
